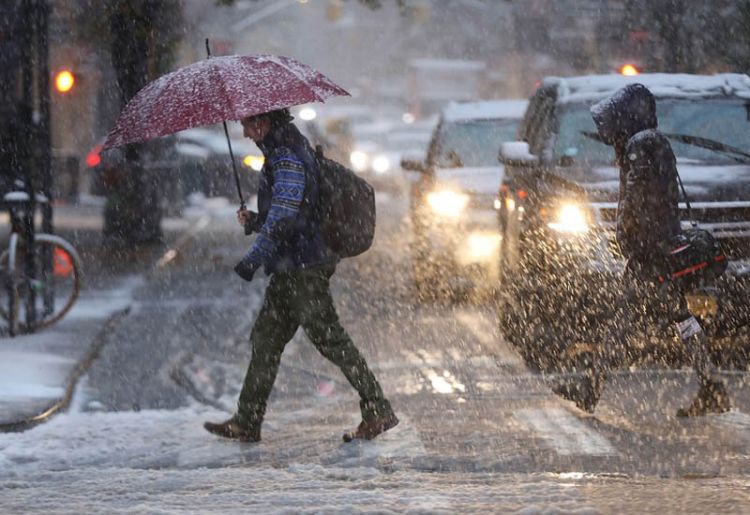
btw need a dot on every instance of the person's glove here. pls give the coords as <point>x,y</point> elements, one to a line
<point>246,269</point>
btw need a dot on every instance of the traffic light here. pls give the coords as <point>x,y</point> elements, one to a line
<point>64,81</point>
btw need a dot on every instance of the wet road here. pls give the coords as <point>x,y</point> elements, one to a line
<point>479,431</point>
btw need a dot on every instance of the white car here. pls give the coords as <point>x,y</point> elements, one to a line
<point>452,204</point>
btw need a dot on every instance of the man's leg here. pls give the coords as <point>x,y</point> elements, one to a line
<point>274,327</point>
<point>611,342</point>
<point>712,395</point>
<point>321,324</point>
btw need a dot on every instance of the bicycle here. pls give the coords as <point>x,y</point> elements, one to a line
<point>43,286</point>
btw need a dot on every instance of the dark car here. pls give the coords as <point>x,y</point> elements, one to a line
<point>455,243</point>
<point>192,161</point>
<point>559,264</point>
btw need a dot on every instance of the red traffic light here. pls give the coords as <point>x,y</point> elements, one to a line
<point>64,81</point>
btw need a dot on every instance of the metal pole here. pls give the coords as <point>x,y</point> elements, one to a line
<point>45,135</point>
<point>45,144</point>
<point>229,143</point>
<point>27,108</point>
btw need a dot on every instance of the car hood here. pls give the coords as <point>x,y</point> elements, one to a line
<point>479,181</point>
<point>703,182</point>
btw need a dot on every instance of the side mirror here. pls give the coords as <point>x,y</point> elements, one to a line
<point>516,153</point>
<point>413,165</point>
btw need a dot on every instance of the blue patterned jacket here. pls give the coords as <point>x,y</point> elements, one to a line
<point>289,236</point>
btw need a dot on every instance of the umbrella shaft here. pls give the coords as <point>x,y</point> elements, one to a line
<point>234,166</point>
<point>229,143</point>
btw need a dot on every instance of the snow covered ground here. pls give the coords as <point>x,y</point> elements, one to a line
<point>160,461</point>
<point>35,368</point>
<point>479,432</point>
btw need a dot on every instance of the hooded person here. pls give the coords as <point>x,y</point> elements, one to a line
<point>647,216</point>
<point>290,248</point>
<point>647,212</point>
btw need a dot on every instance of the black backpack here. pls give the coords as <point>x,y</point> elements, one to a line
<point>345,208</point>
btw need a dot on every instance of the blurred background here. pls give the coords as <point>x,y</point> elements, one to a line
<point>400,59</point>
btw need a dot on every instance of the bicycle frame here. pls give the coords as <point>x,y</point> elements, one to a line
<point>22,208</point>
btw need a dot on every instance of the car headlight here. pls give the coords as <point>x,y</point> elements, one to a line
<point>359,160</point>
<point>381,164</point>
<point>570,218</point>
<point>447,203</point>
<point>307,114</point>
<point>482,246</point>
<point>253,162</point>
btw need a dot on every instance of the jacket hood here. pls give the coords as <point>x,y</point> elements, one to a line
<point>628,111</point>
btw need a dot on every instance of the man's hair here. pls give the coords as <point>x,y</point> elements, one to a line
<point>277,118</point>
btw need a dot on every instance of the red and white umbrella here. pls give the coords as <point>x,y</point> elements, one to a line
<point>216,90</point>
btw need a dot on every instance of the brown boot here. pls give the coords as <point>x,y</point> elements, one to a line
<point>583,395</point>
<point>711,398</point>
<point>583,391</point>
<point>369,429</point>
<point>232,429</point>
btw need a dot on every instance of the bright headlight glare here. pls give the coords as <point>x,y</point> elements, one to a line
<point>381,164</point>
<point>253,162</point>
<point>359,160</point>
<point>570,218</point>
<point>307,114</point>
<point>447,203</point>
<point>482,246</point>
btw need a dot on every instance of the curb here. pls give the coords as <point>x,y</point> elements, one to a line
<point>100,339</point>
<point>62,403</point>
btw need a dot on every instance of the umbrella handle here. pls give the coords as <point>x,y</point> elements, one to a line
<point>229,143</point>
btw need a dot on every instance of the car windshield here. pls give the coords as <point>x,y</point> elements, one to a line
<point>723,121</point>
<point>472,143</point>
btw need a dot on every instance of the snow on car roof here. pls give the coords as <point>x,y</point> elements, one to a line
<point>485,110</point>
<point>595,87</point>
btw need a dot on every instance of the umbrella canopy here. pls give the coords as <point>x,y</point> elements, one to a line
<point>215,90</point>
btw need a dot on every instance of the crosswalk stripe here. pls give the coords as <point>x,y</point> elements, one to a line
<point>565,433</point>
<point>733,420</point>
<point>484,331</point>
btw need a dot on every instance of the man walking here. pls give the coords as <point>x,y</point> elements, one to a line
<point>647,216</point>
<point>291,249</point>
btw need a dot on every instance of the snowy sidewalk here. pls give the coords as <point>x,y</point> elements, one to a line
<point>39,372</point>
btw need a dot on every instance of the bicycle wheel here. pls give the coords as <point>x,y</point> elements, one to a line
<point>55,292</point>
<point>10,277</point>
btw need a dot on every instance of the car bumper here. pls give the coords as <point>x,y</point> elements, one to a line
<point>470,245</point>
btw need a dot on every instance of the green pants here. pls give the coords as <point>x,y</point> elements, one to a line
<point>294,298</point>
